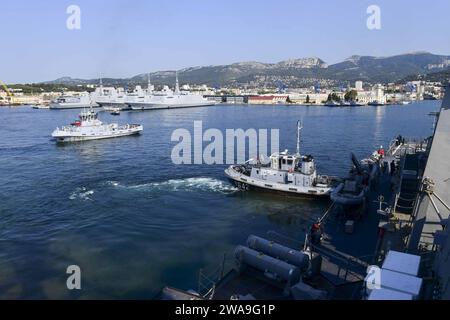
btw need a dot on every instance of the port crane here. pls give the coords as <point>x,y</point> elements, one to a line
<point>5,88</point>
<point>8,93</point>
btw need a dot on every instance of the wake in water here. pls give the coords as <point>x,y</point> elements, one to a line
<point>190,185</point>
<point>81,193</point>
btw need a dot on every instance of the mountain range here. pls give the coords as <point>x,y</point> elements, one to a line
<point>292,73</point>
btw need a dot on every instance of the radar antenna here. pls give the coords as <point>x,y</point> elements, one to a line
<point>299,129</point>
<point>177,86</point>
<point>149,84</point>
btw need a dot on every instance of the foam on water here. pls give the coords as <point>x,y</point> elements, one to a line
<point>81,193</point>
<point>190,185</point>
<point>112,183</point>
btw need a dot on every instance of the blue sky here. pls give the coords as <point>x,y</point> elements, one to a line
<point>120,38</point>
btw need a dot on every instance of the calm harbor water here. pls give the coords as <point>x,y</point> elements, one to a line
<point>131,219</point>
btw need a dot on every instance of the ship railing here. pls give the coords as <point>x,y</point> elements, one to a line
<point>286,240</point>
<point>67,128</point>
<point>414,198</point>
<point>393,147</point>
<point>398,187</point>
<point>132,125</point>
<point>424,246</point>
<point>411,146</point>
<point>208,279</point>
<point>346,263</point>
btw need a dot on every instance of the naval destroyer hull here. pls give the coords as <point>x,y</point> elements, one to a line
<point>155,106</point>
<point>71,106</point>
<point>114,105</point>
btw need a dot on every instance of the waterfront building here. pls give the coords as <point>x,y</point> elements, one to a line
<point>378,93</point>
<point>364,97</point>
<point>25,99</point>
<point>359,85</point>
<point>267,99</point>
<point>308,98</point>
<point>3,98</point>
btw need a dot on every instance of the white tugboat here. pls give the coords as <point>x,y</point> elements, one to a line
<point>289,173</point>
<point>88,127</point>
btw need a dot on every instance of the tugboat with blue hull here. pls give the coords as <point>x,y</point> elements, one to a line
<point>293,174</point>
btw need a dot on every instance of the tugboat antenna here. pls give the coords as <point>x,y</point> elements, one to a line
<point>177,86</point>
<point>299,128</point>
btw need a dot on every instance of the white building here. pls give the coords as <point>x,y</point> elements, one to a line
<point>359,86</point>
<point>308,98</point>
<point>378,94</point>
<point>364,97</point>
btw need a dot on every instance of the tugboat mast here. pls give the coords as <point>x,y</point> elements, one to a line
<point>149,84</point>
<point>299,128</point>
<point>177,85</point>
